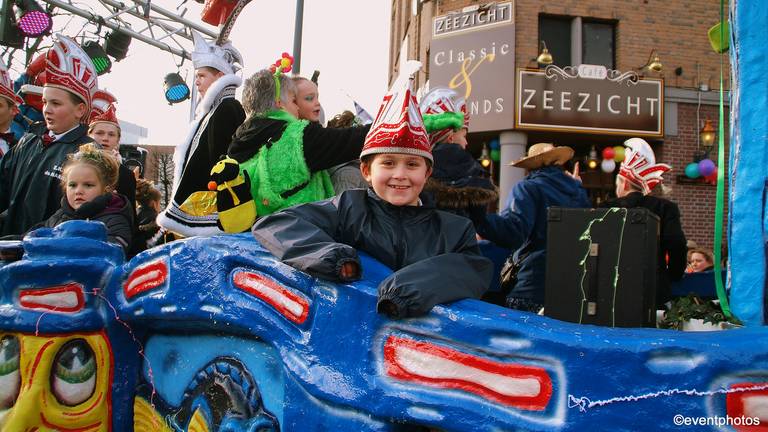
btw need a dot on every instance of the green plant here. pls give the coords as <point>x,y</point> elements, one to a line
<point>694,307</point>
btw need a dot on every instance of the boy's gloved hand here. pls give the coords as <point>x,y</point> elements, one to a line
<point>350,270</point>
<point>436,122</point>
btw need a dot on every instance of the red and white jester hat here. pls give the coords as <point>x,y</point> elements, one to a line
<point>69,68</point>
<point>639,166</point>
<point>102,101</point>
<point>438,101</point>
<point>108,116</point>
<point>399,127</point>
<point>6,87</point>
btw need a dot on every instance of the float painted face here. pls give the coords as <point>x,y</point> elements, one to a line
<point>56,383</point>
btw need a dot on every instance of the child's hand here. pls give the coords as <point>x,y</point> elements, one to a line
<point>349,270</point>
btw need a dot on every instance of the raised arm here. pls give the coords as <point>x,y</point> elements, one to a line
<point>303,237</point>
<point>513,226</point>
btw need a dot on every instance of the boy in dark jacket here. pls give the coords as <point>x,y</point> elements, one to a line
<point>30,174</point>
<point>434,255</point>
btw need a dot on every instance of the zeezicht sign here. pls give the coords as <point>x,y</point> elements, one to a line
<point>472,19</point>
<point>472,52</point>
<point>589,98</point>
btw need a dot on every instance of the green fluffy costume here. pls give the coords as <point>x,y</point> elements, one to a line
<point>279,176</point>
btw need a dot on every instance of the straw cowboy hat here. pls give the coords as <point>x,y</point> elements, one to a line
<point>543,154</point>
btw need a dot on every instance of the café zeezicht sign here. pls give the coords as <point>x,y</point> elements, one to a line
<point>472,52</point>
<point>589,98</point>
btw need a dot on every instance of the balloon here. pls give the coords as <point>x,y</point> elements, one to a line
<point>494,144</point>
<point>618,154</point>
<point>692,170</point>
<point>712,178</point>
<point>495,155</point>
<point>608,153</point>
<point>608,165</point>
<point>706,167</point>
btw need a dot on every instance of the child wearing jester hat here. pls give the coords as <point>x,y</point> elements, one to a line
<point>9,107</point>
<point>217,116</point>
<point>458,182</point>
<point>434,255</point>
<point>638,175</point>
<point>287,158</point>
<point>30,173</point>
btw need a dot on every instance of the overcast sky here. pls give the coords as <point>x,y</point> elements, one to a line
<point>347,40</point>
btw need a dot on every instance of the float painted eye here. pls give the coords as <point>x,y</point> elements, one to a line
<point>9,371</point>
<point>73,377</point>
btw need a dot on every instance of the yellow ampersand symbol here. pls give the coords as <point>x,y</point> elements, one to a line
<point>463,76</point>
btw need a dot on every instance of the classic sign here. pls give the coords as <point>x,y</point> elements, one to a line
<point>472,52</point>
<point>589,98</point>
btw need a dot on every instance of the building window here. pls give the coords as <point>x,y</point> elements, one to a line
<point>556,33</point>
<point>577,40</point>
<point>598,43</point>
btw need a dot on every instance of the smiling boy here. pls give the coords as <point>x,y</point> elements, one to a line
<point>433,254</point>
<point>30,173</point>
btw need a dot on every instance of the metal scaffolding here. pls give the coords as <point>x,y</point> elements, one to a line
<point>143,21</point>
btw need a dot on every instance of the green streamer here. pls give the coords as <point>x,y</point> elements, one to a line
<point>720,188</point>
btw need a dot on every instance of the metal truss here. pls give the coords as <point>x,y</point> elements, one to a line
<point>143,21</point>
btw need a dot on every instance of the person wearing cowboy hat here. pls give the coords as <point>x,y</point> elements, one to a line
<point>639,174</point>
<point>522,226</point>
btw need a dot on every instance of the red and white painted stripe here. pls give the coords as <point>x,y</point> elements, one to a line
<point>67,298</point>
<point>521,386</point>
<point>145,278</point>
<point>290,304</point>
<point>749,403</point>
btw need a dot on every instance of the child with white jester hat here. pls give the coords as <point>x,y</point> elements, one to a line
<point>217,116</point>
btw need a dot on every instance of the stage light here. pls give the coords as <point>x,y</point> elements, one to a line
<point>99,58</point>
<point>176,90</point>
<point>32,19</point>
<point>116,44</point>
<point>10,35</point>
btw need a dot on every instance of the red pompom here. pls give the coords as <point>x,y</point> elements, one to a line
<point>212,185</point>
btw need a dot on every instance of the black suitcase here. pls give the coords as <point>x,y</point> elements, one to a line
<point>602,266</point>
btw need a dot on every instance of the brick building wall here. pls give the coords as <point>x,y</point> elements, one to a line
<point>677,29</point>
<point>696,201</point>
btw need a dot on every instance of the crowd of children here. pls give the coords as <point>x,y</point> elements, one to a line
<point>403,189</point>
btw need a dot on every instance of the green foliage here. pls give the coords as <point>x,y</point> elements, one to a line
<point>693,307</point>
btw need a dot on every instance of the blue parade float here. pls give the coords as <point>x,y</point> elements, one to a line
<point>214,334</point>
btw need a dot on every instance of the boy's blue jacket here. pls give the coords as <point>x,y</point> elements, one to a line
<point>434,254</point>
<point>524,224</point>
